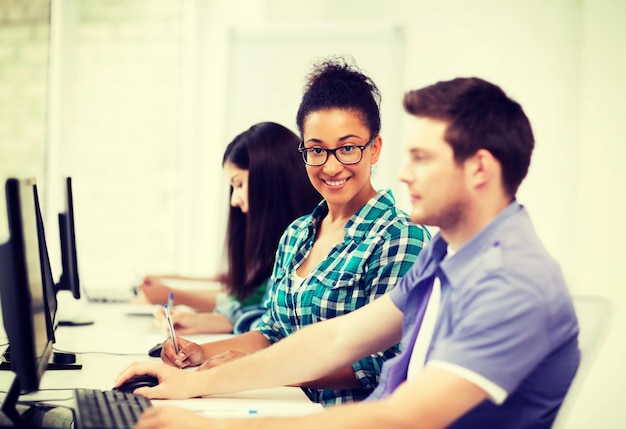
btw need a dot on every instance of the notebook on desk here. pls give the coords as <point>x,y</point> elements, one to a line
<point>136,309</point>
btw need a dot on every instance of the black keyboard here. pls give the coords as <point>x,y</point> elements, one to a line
<point>108,409</point>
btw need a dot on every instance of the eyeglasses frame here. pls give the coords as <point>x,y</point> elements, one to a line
<point>328,152</point>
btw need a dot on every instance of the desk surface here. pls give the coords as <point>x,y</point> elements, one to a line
<point>116,338</point>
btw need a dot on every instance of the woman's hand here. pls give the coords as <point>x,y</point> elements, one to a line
<point>184,322</point>
<point>154,290</point>
<point>189,353</point>
<point>189,323</point>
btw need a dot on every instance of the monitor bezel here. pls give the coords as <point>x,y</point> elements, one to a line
<point>22,276</point>
<point>50,297</point>
<point>69,279</point>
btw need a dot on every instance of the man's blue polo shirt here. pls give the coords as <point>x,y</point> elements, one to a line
<point>506,323</point>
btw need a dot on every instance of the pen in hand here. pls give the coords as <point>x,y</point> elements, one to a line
<point>170,325</point>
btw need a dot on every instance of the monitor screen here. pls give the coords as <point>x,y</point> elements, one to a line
<point>22,296</point>
<point>69,261</point>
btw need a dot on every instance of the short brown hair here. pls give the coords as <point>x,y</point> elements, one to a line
<point>479,116</point>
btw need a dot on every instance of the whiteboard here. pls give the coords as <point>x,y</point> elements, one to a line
<point>267,68</point>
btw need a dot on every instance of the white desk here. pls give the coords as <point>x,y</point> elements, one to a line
<point>116,339</point>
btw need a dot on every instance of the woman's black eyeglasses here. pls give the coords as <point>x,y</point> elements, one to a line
<point>348,154</point>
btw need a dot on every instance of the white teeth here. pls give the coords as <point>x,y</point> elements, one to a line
<point>336,183</point>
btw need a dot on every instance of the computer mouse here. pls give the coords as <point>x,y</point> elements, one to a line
<point>137,381</point>
<point>155,351</point>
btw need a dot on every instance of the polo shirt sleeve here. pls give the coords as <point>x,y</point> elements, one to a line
<point>400,294</point>
<point>500,334</point>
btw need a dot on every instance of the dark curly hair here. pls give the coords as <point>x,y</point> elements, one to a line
<point>336,83</point>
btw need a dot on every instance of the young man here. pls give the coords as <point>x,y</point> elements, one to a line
<point>497,344</point>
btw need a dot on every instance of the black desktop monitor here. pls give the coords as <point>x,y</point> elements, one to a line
<point>60,360</point>
<point>23,203</point>
<point>49,286</point>
<point>22,295</point>
<point>69,279</point>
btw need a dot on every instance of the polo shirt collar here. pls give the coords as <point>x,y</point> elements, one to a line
<point>465,258</point>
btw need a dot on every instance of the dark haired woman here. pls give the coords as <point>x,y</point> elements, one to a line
<point>269,188</point>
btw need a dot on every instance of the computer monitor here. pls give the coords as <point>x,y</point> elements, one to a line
<point>27,205</point>
<point>59,360</point>
<point>69,279</point>
<point>50,301</point>
<point>22,296</point>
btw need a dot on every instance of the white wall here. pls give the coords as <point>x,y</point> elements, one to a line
<point>600,203</point>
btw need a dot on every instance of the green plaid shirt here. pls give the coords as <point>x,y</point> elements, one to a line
<point>379,247</point>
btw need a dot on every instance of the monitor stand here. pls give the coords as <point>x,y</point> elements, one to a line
<point>80,320</point>
<point>64,360</point>
<point>58,361</point>
<point>71,312</point>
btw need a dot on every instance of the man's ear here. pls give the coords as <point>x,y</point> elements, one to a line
<point>481,167</point>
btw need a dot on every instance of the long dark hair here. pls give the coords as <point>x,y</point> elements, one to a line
<point>279,191</point>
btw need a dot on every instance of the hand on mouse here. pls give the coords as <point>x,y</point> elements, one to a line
<point>190,354</point>
<point>173,383</point>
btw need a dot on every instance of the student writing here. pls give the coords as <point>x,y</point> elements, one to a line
<point>269,188</point>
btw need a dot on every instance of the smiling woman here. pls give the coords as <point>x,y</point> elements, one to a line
<point>349,251</point>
